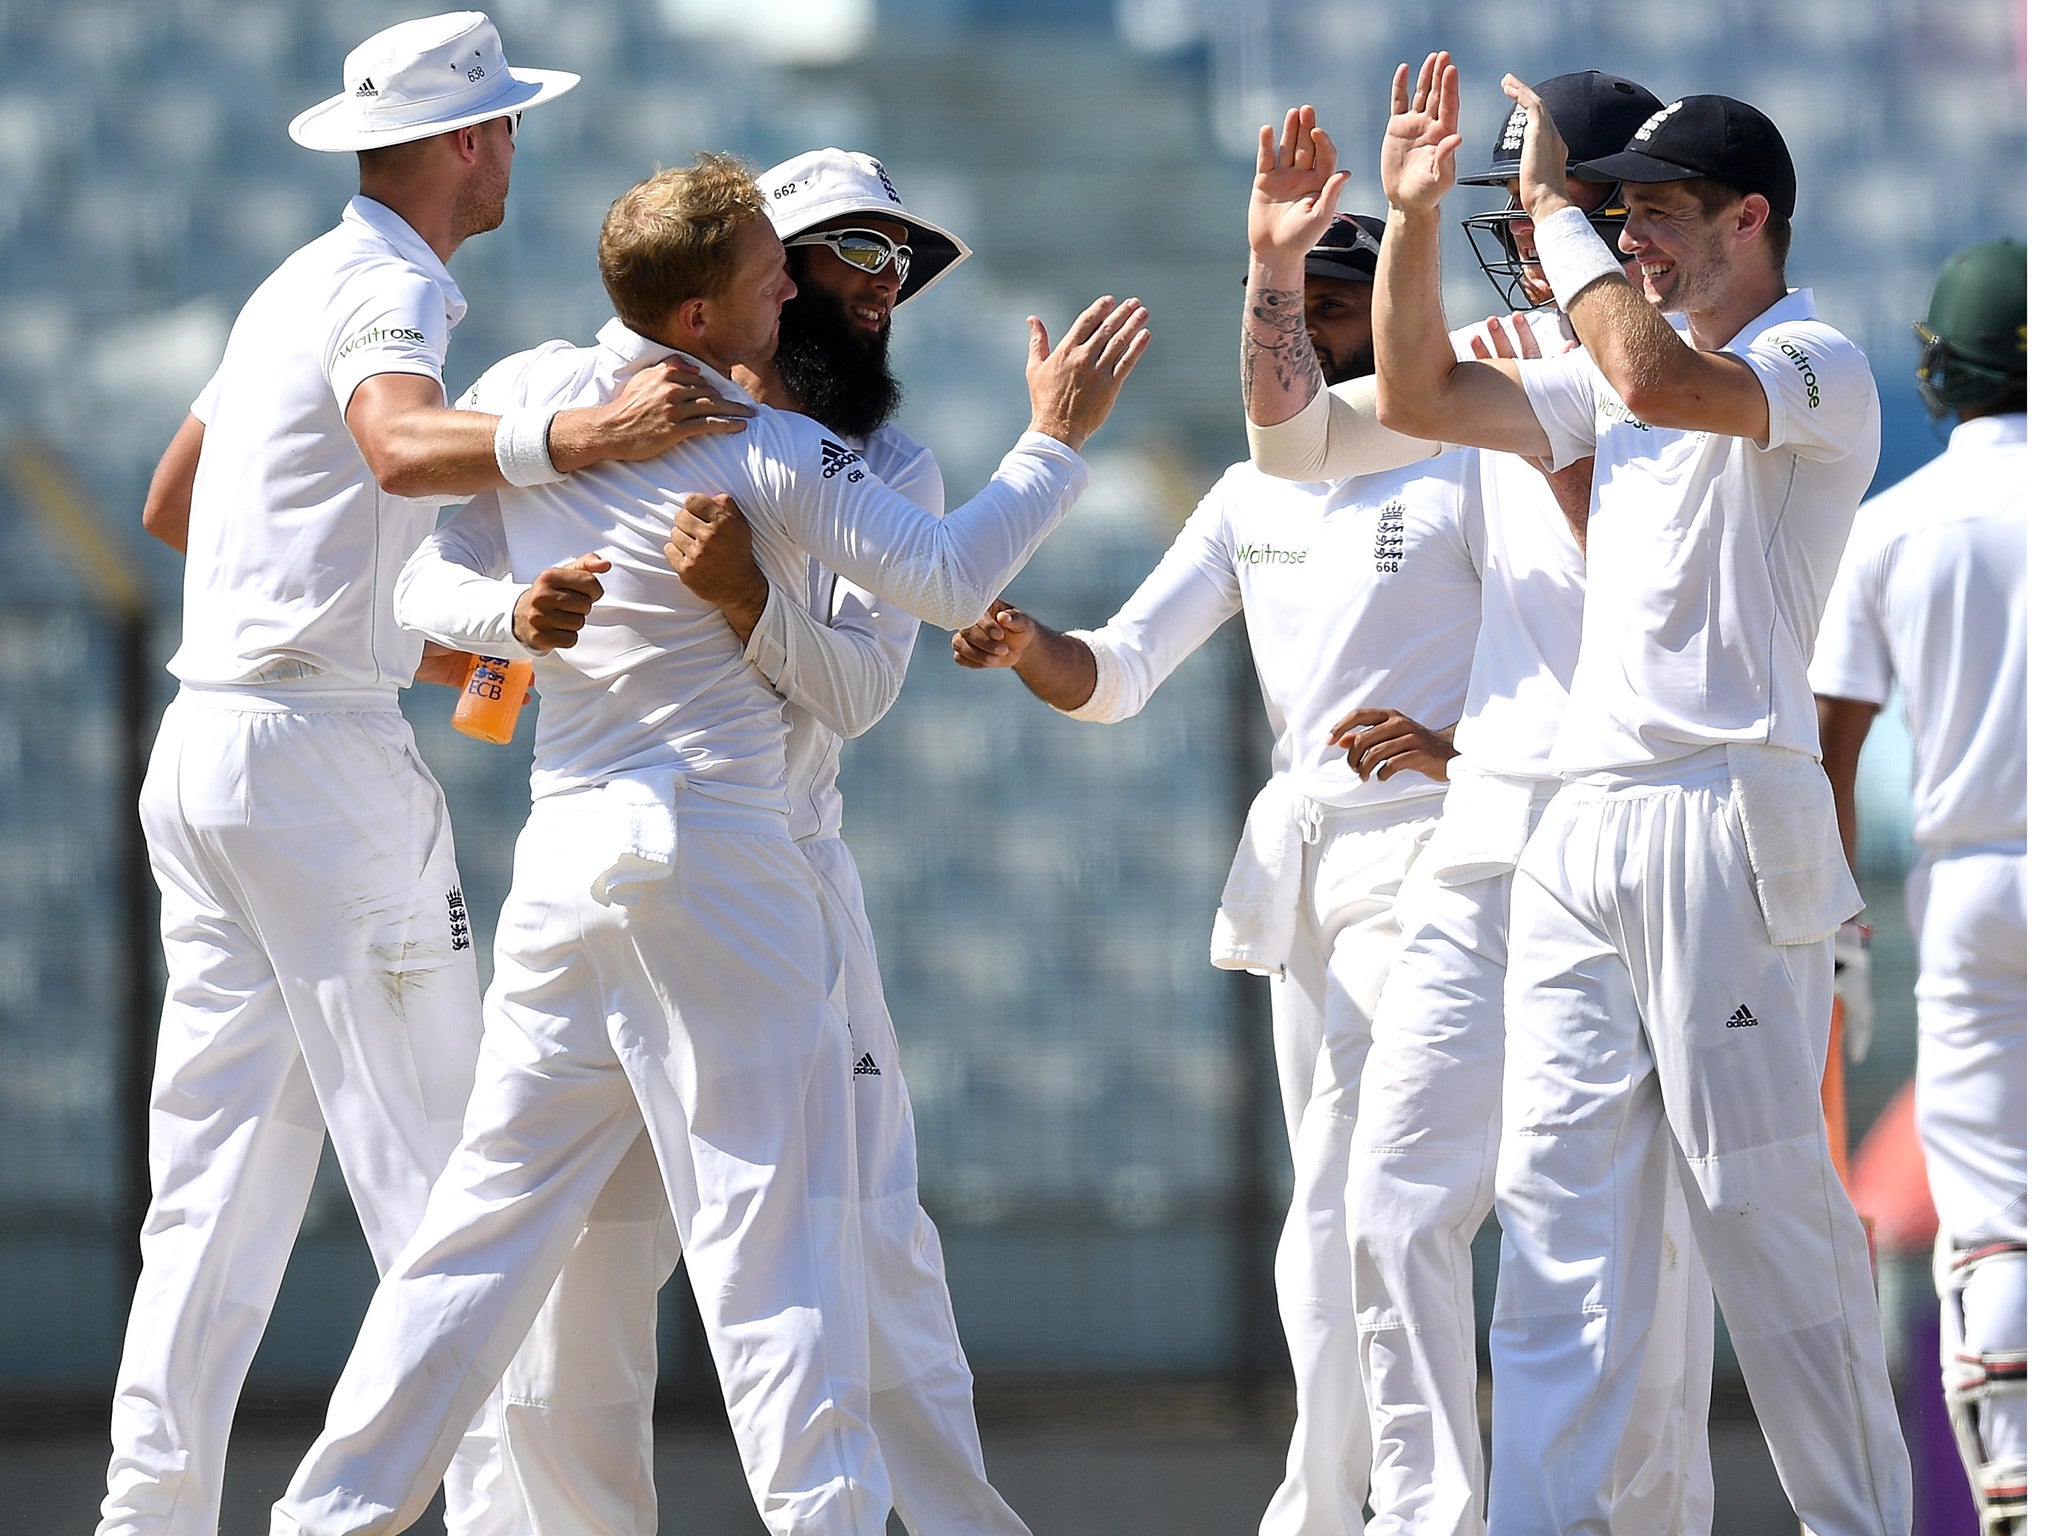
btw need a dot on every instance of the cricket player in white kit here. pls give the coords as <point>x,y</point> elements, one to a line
<point>838,655</point>
<point>320,977</point>
<point>664,966</point>
<point>1424,1151</point>
<point>1355,591</point>
<point>1669,967</point>
<point>1932,595</point>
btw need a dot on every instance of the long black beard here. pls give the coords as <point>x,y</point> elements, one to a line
<point>839,375</point>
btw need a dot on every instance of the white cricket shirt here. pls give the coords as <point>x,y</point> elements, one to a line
<point>657,681</point>
<point>1933,594</point>
<point>1709,557</point>
<point>838,654</point>
<point>292,549</point>
<point>1359,592</point>
<point>1532,590</point>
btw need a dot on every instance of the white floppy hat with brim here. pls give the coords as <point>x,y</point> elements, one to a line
<point>823,186</point>
<point>421,78</point>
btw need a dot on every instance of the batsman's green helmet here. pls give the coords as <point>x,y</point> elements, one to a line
<point>1974,340</point>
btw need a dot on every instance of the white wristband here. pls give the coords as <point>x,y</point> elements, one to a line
<point>522,448</point>
<point>1572,254</point>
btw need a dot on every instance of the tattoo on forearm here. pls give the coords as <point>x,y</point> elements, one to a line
<point>1275,324</point>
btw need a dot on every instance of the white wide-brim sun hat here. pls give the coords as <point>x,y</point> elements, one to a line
<point>824,185</point>
<point>421,78</point>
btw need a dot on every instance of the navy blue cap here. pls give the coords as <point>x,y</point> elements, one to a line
<point>1713,136</point>
<point>1594,111</point>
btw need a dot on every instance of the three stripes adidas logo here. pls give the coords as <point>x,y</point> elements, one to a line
<point>1741,1018</point>
<point>367,88</point>
<point>866,1067</point>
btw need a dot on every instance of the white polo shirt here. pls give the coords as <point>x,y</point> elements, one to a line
<point>1933,593</point>
<point>657,681</point>
<point>292,549</point>
<point>1359,592</point>
<point>838,655</point>
<point>1532,602</point>
<point>1709,557</point>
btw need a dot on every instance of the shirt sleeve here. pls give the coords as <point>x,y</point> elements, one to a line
<point>1189,594</point>
<point>209,397</point>
<point>945,571</point>
<point>457,588</point>
<point>1564,394</point>
<point>1336,435</point>
<point>1819,386</point>
<point>845,669</point>
<point>397,323</point>
<point>1851,657</point>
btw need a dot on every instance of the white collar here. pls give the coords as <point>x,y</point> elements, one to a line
<point>404,239</point>
<point>632,352</point>
<point>1989,431</point>
<point>1796,305</point>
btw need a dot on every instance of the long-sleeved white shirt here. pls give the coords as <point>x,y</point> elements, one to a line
<point>838,654</point>
<point>1532,591</point>
<point>657,680</point>
<point>1355,592</point>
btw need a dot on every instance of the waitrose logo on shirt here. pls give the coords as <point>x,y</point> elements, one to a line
<point>381,333</point>
<point>1268,554</point>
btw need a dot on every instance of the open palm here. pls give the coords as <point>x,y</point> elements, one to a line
<point>1417,159</point>
<point>1295,189</point>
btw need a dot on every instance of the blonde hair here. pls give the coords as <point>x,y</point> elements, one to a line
<point>675,236</point>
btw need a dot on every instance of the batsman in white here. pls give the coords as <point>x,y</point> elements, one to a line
<point>664,967</point>
<point>837,654</point>
<point>1933,596</point>
<point>320,975</point>
<point>1356,591</point>
<point>1670,955</point>
<point>1424,1151</point>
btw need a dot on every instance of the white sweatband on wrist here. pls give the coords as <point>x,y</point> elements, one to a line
<point>1572,254</point>
<point>521,444</point>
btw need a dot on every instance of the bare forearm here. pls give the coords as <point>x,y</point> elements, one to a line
<point>743,611</point>
<point>1278,369</point>
<point>167,509</point>
<point>1058,668</point>
<point>1411,346</point>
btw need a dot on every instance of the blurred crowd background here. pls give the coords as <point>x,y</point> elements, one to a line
<point>1096,1106</point>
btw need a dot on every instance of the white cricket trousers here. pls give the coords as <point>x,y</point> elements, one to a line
<point>1345,937</point>
<point>1422,1176</point>
<point>588,1471</point>
<point>706,1016</point>
<point>1650,1008</point>
<point>320,983</point>
<point>1968,908</point>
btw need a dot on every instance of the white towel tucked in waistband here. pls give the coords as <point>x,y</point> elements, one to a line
<point>640,821</point>
<point>1486,824</point>
<point>1262,894</point>
<point>1787,812</point>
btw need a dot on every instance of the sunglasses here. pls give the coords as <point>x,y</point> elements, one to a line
<point>513,132</point>
<point>863,248</point>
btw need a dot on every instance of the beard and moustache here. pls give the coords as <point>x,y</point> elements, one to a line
<point>838,374</point>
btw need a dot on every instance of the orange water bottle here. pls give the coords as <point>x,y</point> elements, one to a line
<point>491,696</point>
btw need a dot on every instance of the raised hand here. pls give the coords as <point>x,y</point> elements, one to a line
<point>1074,385</point>
<point>1543,152</point>
<point>1294,189</point>
<point>551,612</point>
<point>1417,158</point>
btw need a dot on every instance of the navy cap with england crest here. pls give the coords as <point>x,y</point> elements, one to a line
<point>1595,113</point>
<point>1712,136</point>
